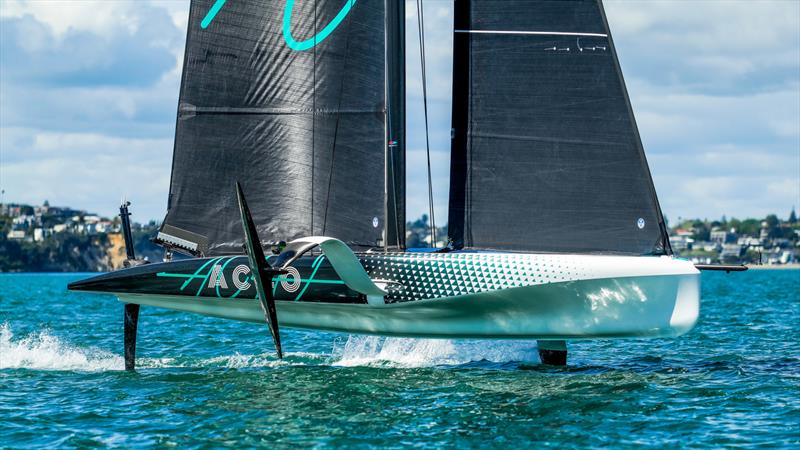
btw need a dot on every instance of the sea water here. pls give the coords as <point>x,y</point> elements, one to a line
<point>204,382</point>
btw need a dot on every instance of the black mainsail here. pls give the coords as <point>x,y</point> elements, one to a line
<point>289,98</point>
<point>546,156</point>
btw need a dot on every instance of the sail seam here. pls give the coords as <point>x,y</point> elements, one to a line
<point>273,111</point>
<point>536,33</point>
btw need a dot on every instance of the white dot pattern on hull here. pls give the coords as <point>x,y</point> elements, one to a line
<point>437,275</point>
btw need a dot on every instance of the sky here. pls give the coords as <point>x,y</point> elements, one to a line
<point>89,93</point>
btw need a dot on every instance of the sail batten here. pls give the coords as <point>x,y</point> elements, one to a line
<point>546,156</point>
<point>533,33</point>
<point>189,110</point>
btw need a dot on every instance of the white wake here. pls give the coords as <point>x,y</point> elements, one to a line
<point>43,351</point>
<point>378,351</point>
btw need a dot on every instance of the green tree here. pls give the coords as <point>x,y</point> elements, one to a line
<point>772,221</point>
<point>773,226</point>
<point>700,231</point>
<point>749,227</point>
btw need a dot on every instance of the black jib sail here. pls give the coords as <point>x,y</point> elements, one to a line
<point>289,98</point>
<point>546,156</point>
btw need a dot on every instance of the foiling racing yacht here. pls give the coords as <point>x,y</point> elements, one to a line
<point>291,127</point>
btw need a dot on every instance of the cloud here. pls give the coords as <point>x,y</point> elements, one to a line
<point>101,18</point>
<point>87,170</point>
<point>736,154</point>
<point>729,194</point>
<point>708,46</point>
<point>36,50</point>
<point>113,110</point>
<point>417,184</point>
<point>666,118</point>
<point>88,95</point>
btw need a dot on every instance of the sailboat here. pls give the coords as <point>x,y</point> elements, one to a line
<point>288,181</point>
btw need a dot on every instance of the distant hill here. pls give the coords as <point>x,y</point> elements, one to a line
<point>68,252</point>
<point>61,239</point>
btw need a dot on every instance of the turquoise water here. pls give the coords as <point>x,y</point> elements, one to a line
<point>204,382</point>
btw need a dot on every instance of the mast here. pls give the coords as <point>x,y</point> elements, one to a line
<point>460,123</point>
<point>395,125</point>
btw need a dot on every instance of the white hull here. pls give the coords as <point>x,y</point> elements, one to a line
<point>619,297</point>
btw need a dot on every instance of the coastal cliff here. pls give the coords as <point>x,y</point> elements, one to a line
<point>73,253</point>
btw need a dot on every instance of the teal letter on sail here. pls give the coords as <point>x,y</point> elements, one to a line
<point>310,43</point>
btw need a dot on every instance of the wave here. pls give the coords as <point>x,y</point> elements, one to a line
<point>41,350</point>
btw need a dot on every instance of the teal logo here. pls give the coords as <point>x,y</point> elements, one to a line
<point>212,13</point>
<point>287,24</point>
<point>319,37</point>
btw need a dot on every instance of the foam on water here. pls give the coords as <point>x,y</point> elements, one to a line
<point>43,351</point>
<point>241,361</point>
<point>378,351</point>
